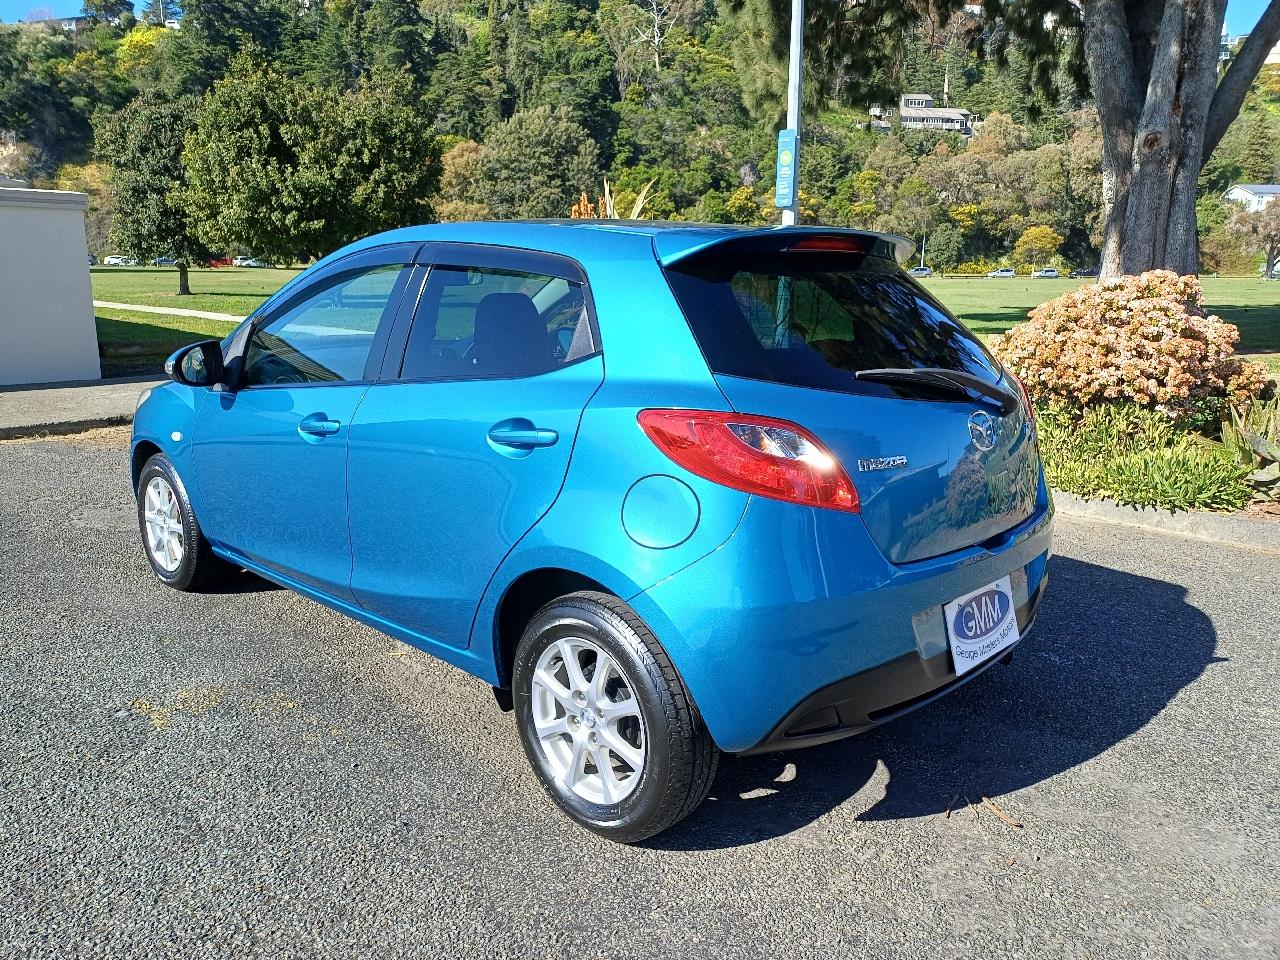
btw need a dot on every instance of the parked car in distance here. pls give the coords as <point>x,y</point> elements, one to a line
<point>1003,272</point>
<point>1047,273</point>
<point>218,262</point>
<point>1081,272</point>
<point>921,271</point>
<point>247,262</point>
<point>768,522</point>
<point>164,262</point>
<point>119,261</point>
<point>93,261</point>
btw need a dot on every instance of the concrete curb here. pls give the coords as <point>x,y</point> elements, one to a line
<point>1245,533</point>
<point>65,428</point>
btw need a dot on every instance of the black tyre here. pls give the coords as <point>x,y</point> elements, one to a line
<point>171,537</point>
<point>606,721</point>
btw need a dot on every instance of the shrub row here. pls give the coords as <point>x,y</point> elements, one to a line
<point>1139,456</point>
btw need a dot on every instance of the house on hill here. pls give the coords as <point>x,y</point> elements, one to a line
<point>1252,196</point>
<point>916,111</point>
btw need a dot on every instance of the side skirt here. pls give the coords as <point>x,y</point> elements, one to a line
<point>467,660</point>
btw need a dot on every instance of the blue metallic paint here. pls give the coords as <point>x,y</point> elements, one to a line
<point>762,604</point>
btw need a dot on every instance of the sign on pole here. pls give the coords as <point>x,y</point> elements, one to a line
<point>787,189</point>
<point>784,188</point>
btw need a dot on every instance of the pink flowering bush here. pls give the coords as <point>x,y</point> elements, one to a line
<point>1143,339</point>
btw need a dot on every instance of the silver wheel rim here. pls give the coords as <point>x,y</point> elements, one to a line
<point>163,521</point>
<point>588,722</point>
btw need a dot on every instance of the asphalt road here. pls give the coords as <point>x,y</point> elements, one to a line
<point>248,774</point>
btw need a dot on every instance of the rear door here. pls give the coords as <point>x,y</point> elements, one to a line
<point>786,330</point>
<point>271,455</point>
<point>465,443</point>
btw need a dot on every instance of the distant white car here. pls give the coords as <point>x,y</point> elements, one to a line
<point>921,271</point>
<point>1048,273</point>
<point>247,262</point>
<point>1004,273</point>
<point>118,261</point>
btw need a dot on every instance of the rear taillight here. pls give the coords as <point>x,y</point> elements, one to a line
<point>772,458</point>
<point>1026,397</point>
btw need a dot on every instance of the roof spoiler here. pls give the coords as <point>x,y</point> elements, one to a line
<point>673,246</point>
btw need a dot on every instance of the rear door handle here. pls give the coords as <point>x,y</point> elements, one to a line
<point>317,425</point>
<point>523,438</point>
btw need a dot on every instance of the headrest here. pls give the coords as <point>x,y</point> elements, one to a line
<point>510,338</point>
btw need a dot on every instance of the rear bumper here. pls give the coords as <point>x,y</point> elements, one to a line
<point>797,630</point>
<point>859,703</point>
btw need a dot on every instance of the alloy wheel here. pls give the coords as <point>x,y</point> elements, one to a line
<point>588,721</point>
<point>163,518</point>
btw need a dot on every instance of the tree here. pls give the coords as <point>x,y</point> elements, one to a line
<point>285,170</point>
<point>915,209</point>
<point>1259,152</point>
<point>537,164</point>
<point>1259,233</point>
<point>107,10</point>
<point>945,247</point>
<point>1037,245</point>
<point>461,184</point>
<point>143,145</point>
<point>1152,66</point>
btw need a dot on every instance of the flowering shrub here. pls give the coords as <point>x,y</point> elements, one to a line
<point>1144,339</point>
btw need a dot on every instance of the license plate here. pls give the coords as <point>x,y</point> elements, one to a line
<point>981,624</point>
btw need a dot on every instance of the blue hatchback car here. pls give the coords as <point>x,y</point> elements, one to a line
<point>672,490</point>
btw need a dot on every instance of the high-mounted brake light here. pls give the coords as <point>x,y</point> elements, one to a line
<point>830,244</point>
<point>761,455</point>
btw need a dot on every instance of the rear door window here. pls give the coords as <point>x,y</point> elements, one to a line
<point>815,319</point>
<point>491,323</point>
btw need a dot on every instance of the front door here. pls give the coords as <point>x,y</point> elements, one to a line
<point>270,454</point>
<point>456,459</point>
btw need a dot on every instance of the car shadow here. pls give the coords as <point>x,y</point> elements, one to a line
<point>1109,651</point>
<point>241,581</point>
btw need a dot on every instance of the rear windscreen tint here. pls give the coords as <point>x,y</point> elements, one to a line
<point>813,320</point>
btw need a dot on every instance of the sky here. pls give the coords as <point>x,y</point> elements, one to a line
<point>1241,14</point>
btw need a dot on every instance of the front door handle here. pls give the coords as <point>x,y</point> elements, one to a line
<point>318,425</point>
<point>522,438</point>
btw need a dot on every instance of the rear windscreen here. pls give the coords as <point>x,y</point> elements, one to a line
<point>815,319</point>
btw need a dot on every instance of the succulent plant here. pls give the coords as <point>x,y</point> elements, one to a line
<point>1251,434</point>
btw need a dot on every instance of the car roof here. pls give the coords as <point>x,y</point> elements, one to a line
<point>590,238</point>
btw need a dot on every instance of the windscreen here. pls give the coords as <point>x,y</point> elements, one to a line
<point>815,319</point>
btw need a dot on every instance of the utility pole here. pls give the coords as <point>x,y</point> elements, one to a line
<point>787,188</point>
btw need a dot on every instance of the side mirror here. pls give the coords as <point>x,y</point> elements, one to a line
<point>199,365</point>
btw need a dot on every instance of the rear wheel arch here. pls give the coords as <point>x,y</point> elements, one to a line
<point>526,595</point>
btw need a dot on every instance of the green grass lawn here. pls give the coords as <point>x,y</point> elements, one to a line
<point>135,343</point>
<point>987,306</point>
<point>235,290</point>
<point>992,306</point>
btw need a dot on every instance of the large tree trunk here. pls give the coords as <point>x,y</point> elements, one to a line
<point>184,285</point>
<point>1153,66</point>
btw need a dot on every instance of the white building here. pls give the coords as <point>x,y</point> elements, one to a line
<point>1252,196</point>
<point>47,332</point>
<point>917,112</point>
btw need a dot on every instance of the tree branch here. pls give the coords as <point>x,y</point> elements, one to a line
<point>1240,76</point>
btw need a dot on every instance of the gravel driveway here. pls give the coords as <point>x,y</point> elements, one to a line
<point>248,774</point>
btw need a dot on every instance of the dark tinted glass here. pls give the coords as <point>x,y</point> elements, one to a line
<point>813,320</point>
<point>490,323</point>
